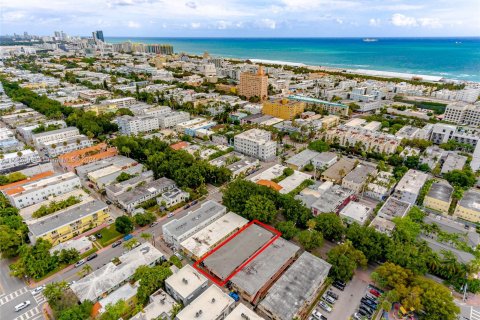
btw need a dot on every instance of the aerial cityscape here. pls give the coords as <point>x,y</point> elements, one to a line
<point>290,160</point>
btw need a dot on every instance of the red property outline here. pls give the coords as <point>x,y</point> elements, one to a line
<point>222,283</point>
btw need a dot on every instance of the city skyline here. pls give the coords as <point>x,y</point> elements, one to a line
<point>280,18</point>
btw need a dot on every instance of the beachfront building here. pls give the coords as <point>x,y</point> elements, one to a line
<point>256,143</point>
<point>442,132</point>
<point>283,108</point>
<point>463,113</point>
<point>254,84</point>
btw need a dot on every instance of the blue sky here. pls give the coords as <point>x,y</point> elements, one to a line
<point>244,18</point>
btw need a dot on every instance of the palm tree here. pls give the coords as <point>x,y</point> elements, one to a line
<point>130,244</point>
<point>146,236</point>
<point>85,270</point>
<point>434,262</point>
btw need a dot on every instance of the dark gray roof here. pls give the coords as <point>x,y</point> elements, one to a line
<point>296,286</point>
<point>260,270</point>
<point>471,200</point>
<point>238,250</point>
<point>441,191</point>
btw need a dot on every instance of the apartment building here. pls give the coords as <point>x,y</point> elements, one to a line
<point>186,285</point>
<point>408,188</point>
<point>68,223</point>
<point>131,199</point>
<point>157,111</point>
<point>441,133</point>
<point>93,94</point>
<point>121,102</point>
<point>54,135</point>
<point>212,304</point>
<point>115,190</point>
<point>283,108</point>
<point>356,179</point>
<point>254,84</point>
<point>368,140</point>
<point>463,113</point>
<point>172,119</point>
<point>16,159</point>
<point>26,131</point>
<point>69,161</point>
<point>59,147</point>
<point>38,191</point>
<point>439,197</point>
<point>129,125</point>
<point>256,143</point>
<point>468,207</point>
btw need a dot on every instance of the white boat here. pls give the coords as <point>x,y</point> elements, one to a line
<point>370,40</point>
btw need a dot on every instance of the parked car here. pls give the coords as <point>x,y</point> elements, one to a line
<point>98,235</point>
<point>194,202</point>
<point>79,263</point>
<point>357,316</point>
<point>366,310</point>
<point>22,305</point>
<point>332,294</point>
<point>325,306</point>
<point>70,283</point>
<point>108,202</point>
<point>329,299</point>
<point>338,286</point>
<point>154,224</point>
<point>234,296</point>
<point>116,243</point>
<point>374,292</point>
<point>171,214</point>
<point>127,237</point>
<point>92,238</point>
<point>37,290</point>
<point>317,314</point>
<point>92,256</point>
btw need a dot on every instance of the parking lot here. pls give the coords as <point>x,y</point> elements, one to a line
<point>348,299</point>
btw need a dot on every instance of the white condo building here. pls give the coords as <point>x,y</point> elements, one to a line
<point>15,159</point>
<point>463,113</point>
<point>60,134</point>
<point>172,119</point>
<point>129,125</point>
<point>256,143</point>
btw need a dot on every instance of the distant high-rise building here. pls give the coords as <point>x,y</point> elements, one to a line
<point>98,35</point>
<point>254,84</point>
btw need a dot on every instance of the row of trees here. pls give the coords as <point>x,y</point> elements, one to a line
<point>13,232</point>
<point>55,206</point>
<point>186,170</point>
<point>88,123</point>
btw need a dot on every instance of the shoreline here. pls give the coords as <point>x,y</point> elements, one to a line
<point>367,72</point>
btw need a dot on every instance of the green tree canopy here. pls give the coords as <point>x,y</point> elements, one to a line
<point>124,224</point>
<point>345,259</point>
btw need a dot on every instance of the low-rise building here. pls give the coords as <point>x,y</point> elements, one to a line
<point>393,208</point>
<point>58,147</point>
<point>296,289</point>
<point>357,179</point>
<point>69,161</point>
<point>54,135</point>
<point>253,281</point>
<point>37,191</point>
<point>381,187</point>
<point>186,285</point>
<point>129,125</point>
<point>408,188</point>
<point>116,189</point>
<point>68,223</point>
<point>212,304</point>
<point>131,199</point>
<point>11,161</point>
<point>324,160</point>
<point>439,197</point>
<point>206,239</point>
<point>172,197</point>
<point>82,245</point>
<point>242,312</point>
<point>383,225</point>
<point>283,108</point>
<point>339,170</point>
<point>300,160</point>
<point>454,161</point>
<point>105,280</point>
<point>160,306</point>
<point>127,292</point>
<point>356,212</point>
<point>177,230</point>
<point>172,119</point>
<point>468,208</point>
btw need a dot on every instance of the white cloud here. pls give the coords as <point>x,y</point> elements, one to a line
<point>222,25</point>
<point>374,22</point>
<point>195,25</point>
<point>13,16</point>
<point>339,21</point>
<point>401,20</point>
<point>430,22</point>
<point>133,25</point>
<point>267,23</point>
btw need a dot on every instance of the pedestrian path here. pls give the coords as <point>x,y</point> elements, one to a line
<point>39,298</point>
<point>13,295</point>
<point>33,314</point>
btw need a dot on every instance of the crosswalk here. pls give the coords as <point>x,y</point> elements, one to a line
<point>32,314</point>
<point>39,298</point>
<point>474,314</point>
<point>13,295</point>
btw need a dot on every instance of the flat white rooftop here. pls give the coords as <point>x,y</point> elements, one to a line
<point>203,241</point>
<point>208,306</point>
<point>186,281</point>
<point>242,312</point>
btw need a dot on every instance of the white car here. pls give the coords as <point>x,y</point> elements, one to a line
<point>70,283</point>
<point>317,314</point>
<point>79,263</point>
<point>37,290</point>
<point>325,306</point>
<point>22,305</point>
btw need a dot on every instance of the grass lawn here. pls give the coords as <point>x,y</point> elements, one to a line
<point>89,252</point>
<point>109,235</point>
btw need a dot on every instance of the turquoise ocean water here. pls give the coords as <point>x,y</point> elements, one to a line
<point>452,58</point>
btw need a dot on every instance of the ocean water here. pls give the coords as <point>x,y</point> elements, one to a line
<point>452,58</point>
